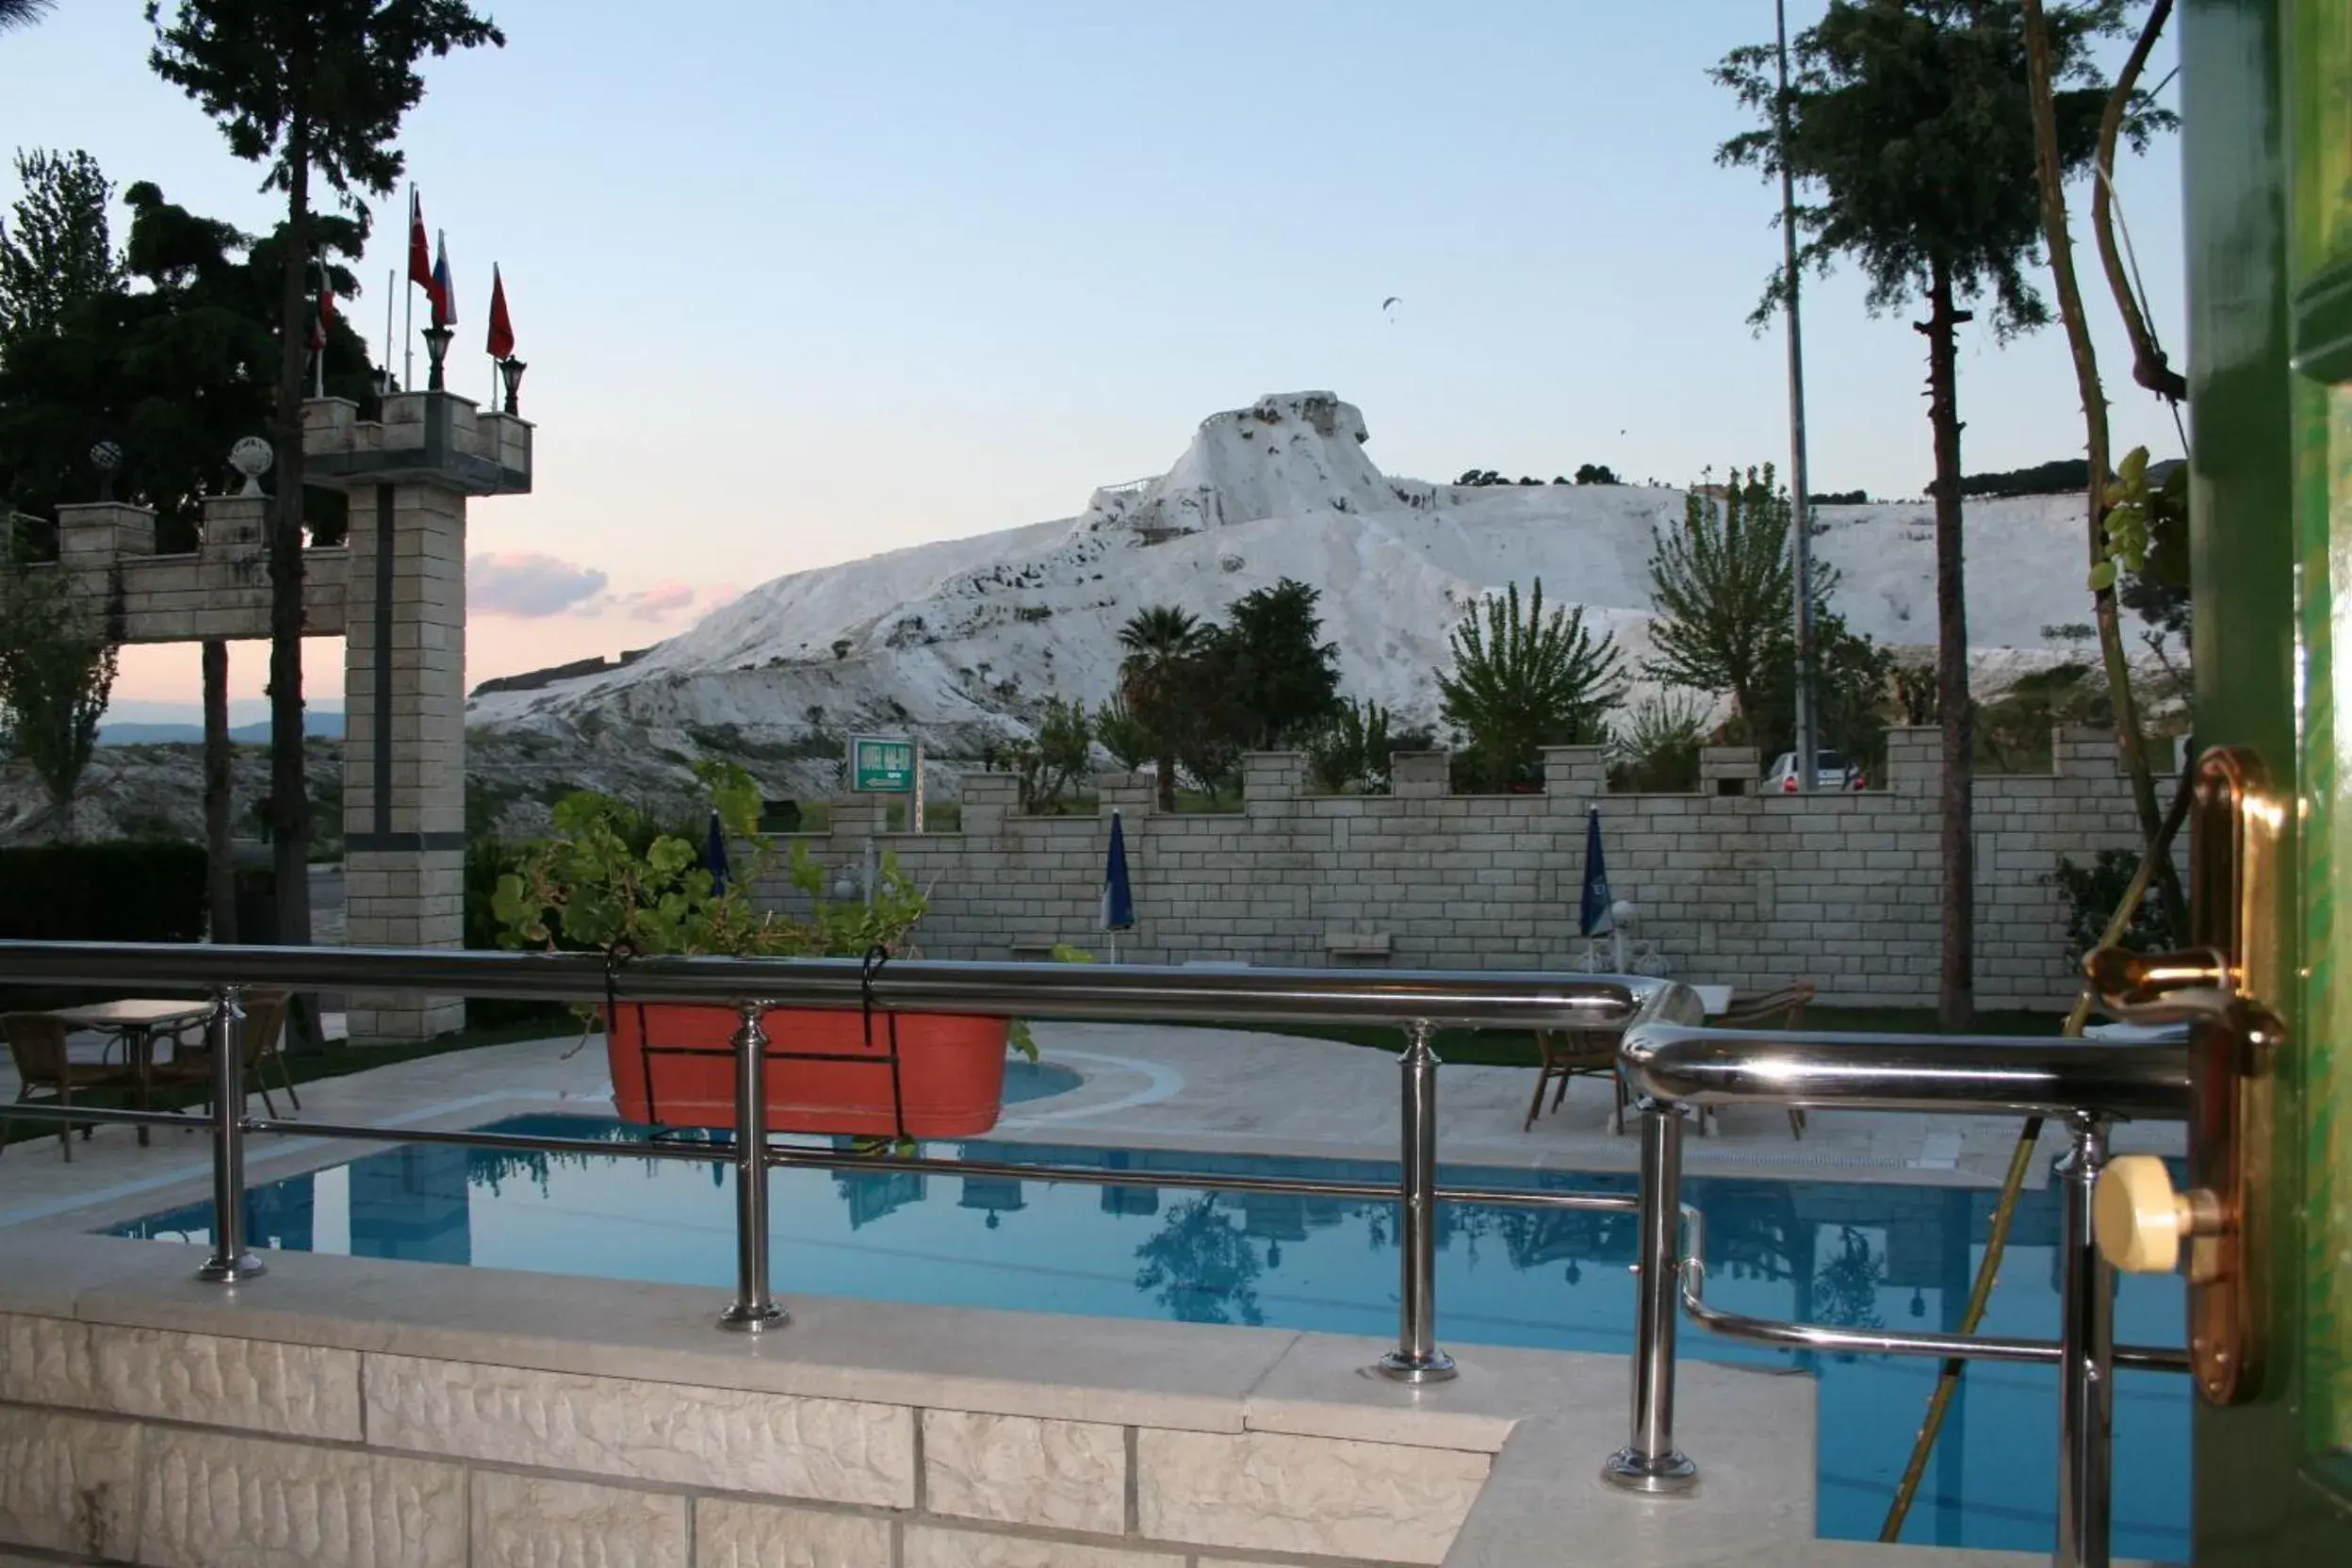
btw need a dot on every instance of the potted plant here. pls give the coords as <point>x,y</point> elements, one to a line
<point>607,882</point>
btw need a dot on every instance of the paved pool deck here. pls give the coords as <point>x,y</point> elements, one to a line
<point>1144,1087</point>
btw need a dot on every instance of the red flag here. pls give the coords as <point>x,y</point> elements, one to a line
<point>420,253</point>
<point>326,310</point>
<point>501,342</point>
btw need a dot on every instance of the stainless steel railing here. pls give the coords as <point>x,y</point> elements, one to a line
<point>1416,1003</point>
<point>2086,1085</point>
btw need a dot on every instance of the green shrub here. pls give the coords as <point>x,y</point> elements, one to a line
<point>2091,893</point>
<point>126,891</point>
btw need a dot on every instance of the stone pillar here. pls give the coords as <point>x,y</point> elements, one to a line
<point>1418,775</point>
<point>1579,773</point>
<point>408,478</point>
<point>404,742</point>
<point>1915,760</point>
<point>1729,770</point>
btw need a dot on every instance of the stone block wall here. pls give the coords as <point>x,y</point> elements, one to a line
<point>1743,890</point>
<point>152,1446</point>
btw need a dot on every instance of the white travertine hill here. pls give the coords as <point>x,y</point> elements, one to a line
<point>961,641</point>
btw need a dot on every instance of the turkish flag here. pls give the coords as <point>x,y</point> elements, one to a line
<point>501,342</point>
<point>326,310</point>
<point>420,253</point>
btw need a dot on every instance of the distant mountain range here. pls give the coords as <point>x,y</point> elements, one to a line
<point>318,723</point>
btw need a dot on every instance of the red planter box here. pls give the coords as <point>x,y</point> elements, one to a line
<point>951,1070</point>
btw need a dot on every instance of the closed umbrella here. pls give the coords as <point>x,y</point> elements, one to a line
<point>715,855</point>
<point>1119,901</point>
<point>1596,918</point>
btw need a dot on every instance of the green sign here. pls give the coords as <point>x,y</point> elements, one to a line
<point>881,767</point>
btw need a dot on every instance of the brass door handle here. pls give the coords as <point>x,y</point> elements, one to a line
<point>2225,988</point>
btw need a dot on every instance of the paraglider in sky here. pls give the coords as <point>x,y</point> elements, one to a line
<point>1388,306</point>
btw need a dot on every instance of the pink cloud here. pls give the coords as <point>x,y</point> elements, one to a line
<point>657,603</point>
<point>514,582</point>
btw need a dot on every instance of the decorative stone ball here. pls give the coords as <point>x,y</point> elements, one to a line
<point>1624,911</point>
<point>106,457</point>
<point>252,457</point>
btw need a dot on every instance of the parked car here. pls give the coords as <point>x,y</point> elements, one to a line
<point>1831,771</point>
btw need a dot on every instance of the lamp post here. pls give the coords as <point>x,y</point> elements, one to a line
<point>436,350</point>
<point>511,371</point>
<point>1799,509</point>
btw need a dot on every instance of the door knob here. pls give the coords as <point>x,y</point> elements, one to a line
<point>2140,1221</point>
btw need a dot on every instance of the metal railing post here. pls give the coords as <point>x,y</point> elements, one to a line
<point>1417,1358</point>
<point>1650,1461</point>
<point>755,1310</point>
<point>2086,1390</point>
<point>229,1264</point>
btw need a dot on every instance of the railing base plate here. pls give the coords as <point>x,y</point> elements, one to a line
<point>1396,1369</point>
<point>754,1320</point>
<point>230,1271</point>
<point>1633,1472</point>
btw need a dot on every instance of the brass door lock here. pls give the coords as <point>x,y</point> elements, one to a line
<point>2222,989</point>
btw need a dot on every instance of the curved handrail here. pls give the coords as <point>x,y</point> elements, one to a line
<point>1985,1073</point>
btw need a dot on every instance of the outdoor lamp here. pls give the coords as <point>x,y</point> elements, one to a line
<point>511,371</point>
<point>436,350</point>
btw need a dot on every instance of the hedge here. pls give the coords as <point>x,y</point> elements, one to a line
<point>128,890</point>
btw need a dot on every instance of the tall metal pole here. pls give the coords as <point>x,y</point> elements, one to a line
<point>1417,1358</point>
<point>2086,1368</point>
<point>1801,510</point>
<point>1650,1461</point>
<point>229,1264</point>
<point>755,1310</point>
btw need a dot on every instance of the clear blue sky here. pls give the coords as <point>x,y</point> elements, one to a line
<point>798,281</point>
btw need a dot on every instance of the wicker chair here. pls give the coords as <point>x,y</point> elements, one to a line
<point>1565,1054</point>
<point>1780,1009</point>
<point>265,1045</point>
<point>37,1043</point>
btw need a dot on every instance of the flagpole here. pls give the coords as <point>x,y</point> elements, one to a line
<point>408,307</point>
<point>387,330</point>
<point>319,313</point>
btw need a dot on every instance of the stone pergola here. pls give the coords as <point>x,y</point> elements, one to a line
<point>394,591</point>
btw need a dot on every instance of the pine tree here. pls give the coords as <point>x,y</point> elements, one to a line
<point>1909,126</point>
<point>311,90</point>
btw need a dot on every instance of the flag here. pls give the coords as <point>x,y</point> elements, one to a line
<point>444,292</point>
<point>419,253</point>
<point>1118,902</point>
<point>326,309</point>
<point>501,342</point>
<point>1593,919</point>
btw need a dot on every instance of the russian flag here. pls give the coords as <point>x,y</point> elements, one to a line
<point>444,292</point>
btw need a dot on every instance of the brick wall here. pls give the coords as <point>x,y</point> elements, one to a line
<point>1737,890</point>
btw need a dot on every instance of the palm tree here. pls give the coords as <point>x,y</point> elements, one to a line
<point>1162,644</point>
<point>23,13</point>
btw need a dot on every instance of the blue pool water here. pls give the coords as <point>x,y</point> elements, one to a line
<point>1830,1253</point>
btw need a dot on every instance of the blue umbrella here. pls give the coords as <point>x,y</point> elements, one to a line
<point>1119,901</point>
<point>715,855</point>
<point>1593,919</point>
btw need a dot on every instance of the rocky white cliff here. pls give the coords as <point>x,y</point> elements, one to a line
<point>960,641</point>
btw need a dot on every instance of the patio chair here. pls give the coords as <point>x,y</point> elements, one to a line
<point>37,1043</point>
<point>1780,1009</point>
<point>265,1045</point>
<point>1565,1054</point>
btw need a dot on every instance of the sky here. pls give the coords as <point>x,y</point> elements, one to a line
<point>801,281</point>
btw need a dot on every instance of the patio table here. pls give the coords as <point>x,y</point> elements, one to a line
<point>135,1023</point>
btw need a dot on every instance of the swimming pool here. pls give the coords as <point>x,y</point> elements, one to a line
<point>1854,1254</point>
